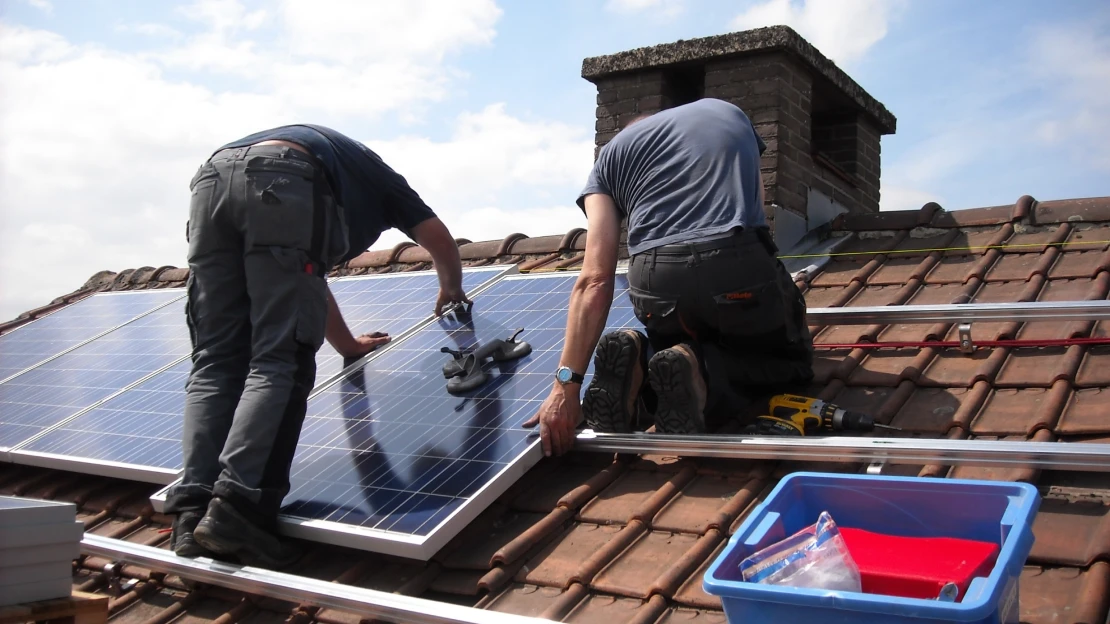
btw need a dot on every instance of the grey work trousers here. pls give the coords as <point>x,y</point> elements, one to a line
<point>262,230</point>
<point>734,302</point>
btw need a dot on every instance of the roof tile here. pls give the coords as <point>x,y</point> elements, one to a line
<point>900,269</point>
<point>953,368</point>
<point>953,269</point>
<point>619,502</point>
<point>523,599</point>
<point>998,473</point>
<point>557,564</point>
<point>890,367</point>
<point>1014,267</point>
<point>681,615</point>
<point>936,410</point>
<point>839,272</point>
<point>1053,595</point>
<point>1020,411</point>
<point>600,609</point>
<point>634,571</point>
<point>1071,533</point>
<point>821,297</point>
<point>691,593</point>
<point>1095,368</point>
<point>1086,209</point>
<point>1087,412</point>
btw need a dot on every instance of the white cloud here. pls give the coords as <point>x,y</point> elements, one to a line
<point>160,31</point>
<point>496,174</point>
<point>843,30</point>
<point>1073,65</point>
<point>100,181</point>
<point>43,5</point>
<point>659,8</point>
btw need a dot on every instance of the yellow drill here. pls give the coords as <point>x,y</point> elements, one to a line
<point>793,415</point>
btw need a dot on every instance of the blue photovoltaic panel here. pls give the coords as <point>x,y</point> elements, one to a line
<point>392,303</point>
<point>48,394</point>
<point>30,344</point>
<point>387,449</point>
<point>141,427</point>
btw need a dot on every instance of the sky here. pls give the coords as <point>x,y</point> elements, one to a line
<point>108,107</point>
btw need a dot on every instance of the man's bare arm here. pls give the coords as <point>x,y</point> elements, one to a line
<point>340,338</point>
<point>434,236</point>
<point>592,295</point>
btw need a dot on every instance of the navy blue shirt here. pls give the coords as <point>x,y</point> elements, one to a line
<point>373,197</point>
<point>684,174</point>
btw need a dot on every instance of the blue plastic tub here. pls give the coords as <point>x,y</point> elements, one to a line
<point>907,506</point>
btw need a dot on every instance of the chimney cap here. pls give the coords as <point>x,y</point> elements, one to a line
<point>731,45</point>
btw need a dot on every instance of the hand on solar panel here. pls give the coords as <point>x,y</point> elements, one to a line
<point>448,296</point>
<point>368,342</point>
<point>558,417</point>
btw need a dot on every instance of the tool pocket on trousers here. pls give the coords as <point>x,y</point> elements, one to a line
<point>279,202</point>
<point>657,313</point>
<point>310,296</point>
<point>751,311</point>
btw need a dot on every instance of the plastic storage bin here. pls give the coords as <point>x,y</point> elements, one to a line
<point>907,506</point>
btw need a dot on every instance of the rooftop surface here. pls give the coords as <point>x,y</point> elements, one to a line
<point>597,538</point>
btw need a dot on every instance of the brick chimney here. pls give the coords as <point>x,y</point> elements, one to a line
<point>821,128</point>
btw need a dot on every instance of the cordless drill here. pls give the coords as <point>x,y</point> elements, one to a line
<point>793,415</point>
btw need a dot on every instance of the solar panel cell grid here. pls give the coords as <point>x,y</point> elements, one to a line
<point>26,346</point>
<point>47,395</point>
<point>387,448</point>
<point>387,303</point>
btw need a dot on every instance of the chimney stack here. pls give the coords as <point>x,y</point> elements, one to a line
<point>821,128</point>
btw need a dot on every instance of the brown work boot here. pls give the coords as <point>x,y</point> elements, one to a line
<point>612,399</point>
<point>677,381</point>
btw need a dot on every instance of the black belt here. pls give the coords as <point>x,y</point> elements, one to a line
<point>740,236</point>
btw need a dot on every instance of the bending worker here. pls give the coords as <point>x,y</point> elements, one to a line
<point>270,214</point>
<point>724,322</point>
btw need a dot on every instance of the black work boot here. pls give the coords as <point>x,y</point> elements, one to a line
<point>676,378</point>
<point>612,399</point>
<point>181,538</point>
<point>227,533</point>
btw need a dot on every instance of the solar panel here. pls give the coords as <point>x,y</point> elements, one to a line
<point>392,303</point>
<point>133,435</point>
<point>30,344</point>
<point>389,461</point>
<point>56,390</point>
<point>137,433</point>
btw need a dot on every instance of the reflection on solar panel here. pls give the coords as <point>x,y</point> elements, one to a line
<point>392,303</point>
<point>30,344</point>
<point>137,433</point>
<point>390,462</point>
<point>52,392</point>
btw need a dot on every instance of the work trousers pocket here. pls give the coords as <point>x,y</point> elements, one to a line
<point>280,200</point>
<point>754,305</point>
<point>305,295</point>
<point>658,314</point>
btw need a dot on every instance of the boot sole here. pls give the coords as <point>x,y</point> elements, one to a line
<point>677,411</point>
<point>234,547</point>
<point>606,398</point>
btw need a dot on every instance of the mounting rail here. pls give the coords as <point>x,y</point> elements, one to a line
<point>961,312</point>
<point>1087,457</point>
<point>292,588</point>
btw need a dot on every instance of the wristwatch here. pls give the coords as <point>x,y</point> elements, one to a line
<point>565,375</point>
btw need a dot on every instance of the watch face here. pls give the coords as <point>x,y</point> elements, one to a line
<point>563,375</point>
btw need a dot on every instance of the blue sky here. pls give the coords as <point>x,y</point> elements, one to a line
<point>110,105</point>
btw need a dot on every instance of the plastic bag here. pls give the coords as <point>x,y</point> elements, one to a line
<point>815,557</point>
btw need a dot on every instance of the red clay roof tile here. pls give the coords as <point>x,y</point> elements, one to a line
<point>1051,595</point>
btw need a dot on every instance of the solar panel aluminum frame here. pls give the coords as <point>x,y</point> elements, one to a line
<point>121,293</point>
<point>410,546</point>
<point>163,476</point>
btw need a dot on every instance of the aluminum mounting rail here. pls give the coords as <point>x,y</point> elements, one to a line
<point>257,581</point>
<point>1046,455</point>
<point>961,312</point>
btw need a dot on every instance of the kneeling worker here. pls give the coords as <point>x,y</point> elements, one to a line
<point>723,319</point>
<point>270,214</point>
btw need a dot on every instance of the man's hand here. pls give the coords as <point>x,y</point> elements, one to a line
<point>448,296</point>
<point>365,344</point>
<point>558,417</point>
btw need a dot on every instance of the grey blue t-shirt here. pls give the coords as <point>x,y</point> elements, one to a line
<point>374,198</point>
<point>684,174</point>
